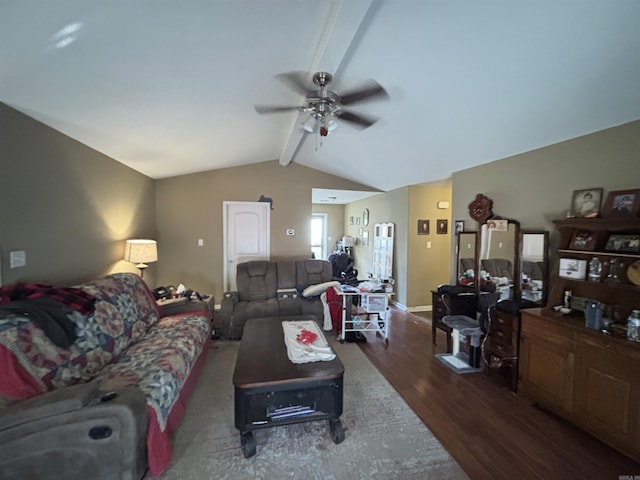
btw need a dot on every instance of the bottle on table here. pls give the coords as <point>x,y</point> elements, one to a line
<point>595,270</point>
<point>633,326</point>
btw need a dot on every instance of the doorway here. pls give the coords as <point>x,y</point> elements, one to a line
<point>319,235</point>
<point>247,233</point>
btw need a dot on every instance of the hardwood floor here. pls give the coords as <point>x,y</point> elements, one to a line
<point>490,431</point>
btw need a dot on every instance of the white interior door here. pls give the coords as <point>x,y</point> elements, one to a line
<point>246,236</point>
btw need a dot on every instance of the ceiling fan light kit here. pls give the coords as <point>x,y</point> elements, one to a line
<point>324,106</point>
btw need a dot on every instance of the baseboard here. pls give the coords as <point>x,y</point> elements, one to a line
<point>420,308</point>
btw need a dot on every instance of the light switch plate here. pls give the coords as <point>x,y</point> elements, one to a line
<point>17,258</point>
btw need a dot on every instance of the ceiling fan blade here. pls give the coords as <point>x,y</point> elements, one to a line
<point>370,91</point>
<point>262,109</point>
<point>296,80</point>
<point>356,119</point>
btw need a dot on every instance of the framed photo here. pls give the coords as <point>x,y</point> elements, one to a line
<point>586,203</point>
<point>573,268</point>
<point>442,226</point>
<point>365,238</point>
<point>423,227</point>
<point>459,226</point>
<point>623,243</point>
<point>622,203</point>
<point>583,240</point>
<point>352,220</point>
<point>498,225</point>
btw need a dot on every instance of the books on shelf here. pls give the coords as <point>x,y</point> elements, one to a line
<point>288,412</point>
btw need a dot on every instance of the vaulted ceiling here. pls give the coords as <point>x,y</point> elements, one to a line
<point>168,87</point>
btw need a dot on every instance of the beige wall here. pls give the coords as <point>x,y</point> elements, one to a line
<point>428,255</point>
<point>536,187</point>
<point>417,268</point>
<point>390,207</point>
<point>189,207</point>
<point>69,207</point>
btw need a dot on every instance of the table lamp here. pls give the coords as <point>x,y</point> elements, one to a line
<point>140,251</point>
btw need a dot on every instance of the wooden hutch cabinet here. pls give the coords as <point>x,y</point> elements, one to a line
<point>547,357</point>
<point>625,292</point>
<point>585,376</point>
<point>589,377</point>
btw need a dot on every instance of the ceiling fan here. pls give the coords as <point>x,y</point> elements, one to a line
<point>325,106</point>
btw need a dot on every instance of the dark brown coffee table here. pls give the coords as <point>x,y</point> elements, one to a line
<point>271,390</point>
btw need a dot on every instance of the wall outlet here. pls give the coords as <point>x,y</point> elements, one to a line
<point>201,242</point>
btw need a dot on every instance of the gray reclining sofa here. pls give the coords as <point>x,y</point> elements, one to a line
<point>273,288</point>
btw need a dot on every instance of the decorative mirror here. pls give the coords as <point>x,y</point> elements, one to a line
<point>466,258</point>
<point>498,256</point>
<point>534,247</point>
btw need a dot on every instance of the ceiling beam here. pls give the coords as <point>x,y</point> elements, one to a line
<point>343,28</point>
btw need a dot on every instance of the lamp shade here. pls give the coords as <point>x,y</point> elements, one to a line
<point>141,251</point>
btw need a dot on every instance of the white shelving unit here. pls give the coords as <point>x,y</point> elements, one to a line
<point>383,250</point>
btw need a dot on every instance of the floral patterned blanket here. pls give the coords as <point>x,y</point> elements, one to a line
<point>122,343</point>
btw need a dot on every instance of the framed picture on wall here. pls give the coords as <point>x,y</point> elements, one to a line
<point>459,226</point>
<point>586,203</point>
<point>443,225</point>
<point>582,240</point>
<point>423,227</point>
<point>622,203</point>
<point>365,238</point>
<point>623,243</point>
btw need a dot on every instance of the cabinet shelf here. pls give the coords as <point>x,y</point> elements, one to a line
<point>602,285</point>
<point>616,224</point>
<point>599,254</point>
<point>623,295</point>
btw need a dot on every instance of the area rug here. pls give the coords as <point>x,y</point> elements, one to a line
<point>384,439</point>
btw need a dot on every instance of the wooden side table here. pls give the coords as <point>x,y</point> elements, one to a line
<point>173,306</point>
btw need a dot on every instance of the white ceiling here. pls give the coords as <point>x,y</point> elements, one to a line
<point>168,87</point>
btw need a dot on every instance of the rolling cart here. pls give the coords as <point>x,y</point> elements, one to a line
<point>370,315</point>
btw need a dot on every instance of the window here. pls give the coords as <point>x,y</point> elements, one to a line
<point>319,235</point>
